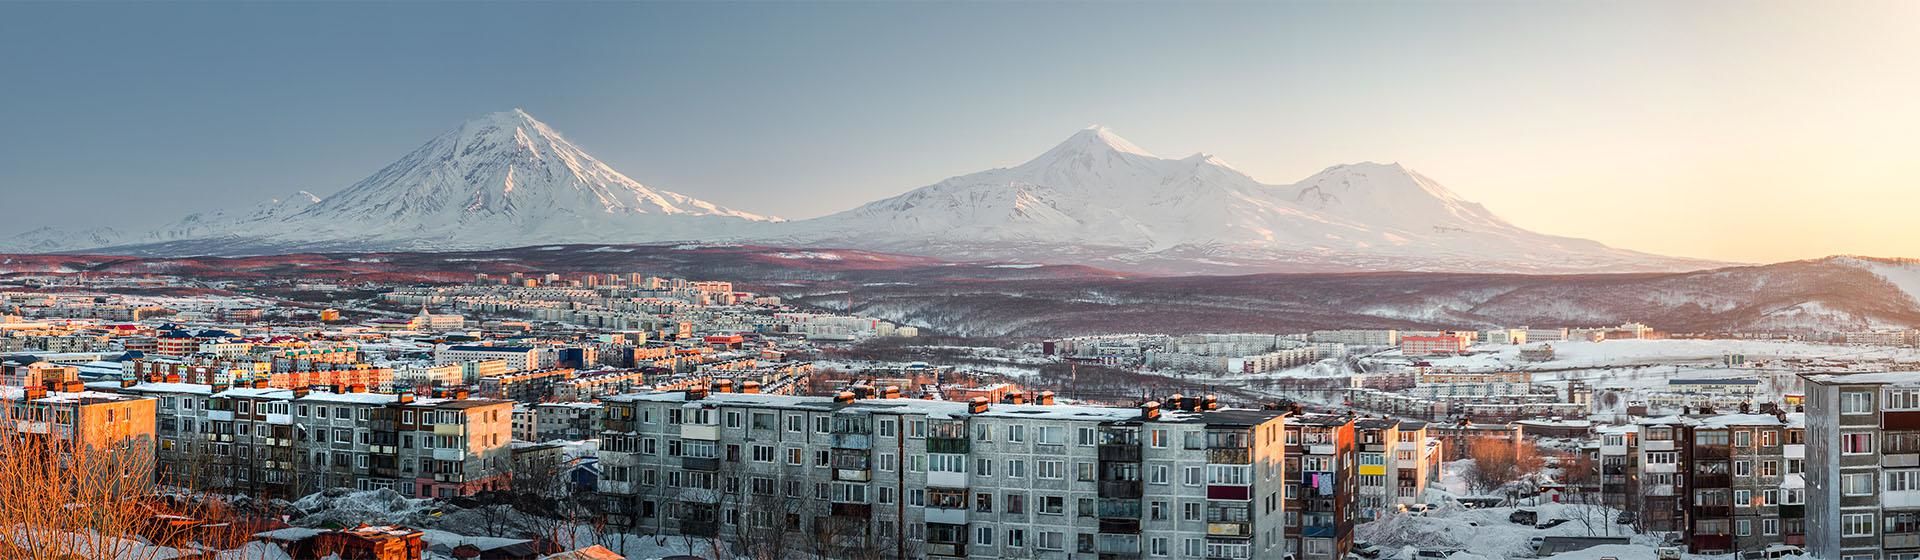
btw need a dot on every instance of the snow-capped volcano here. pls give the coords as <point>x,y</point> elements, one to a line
<point>502,180</point>
<point>1099,199</point>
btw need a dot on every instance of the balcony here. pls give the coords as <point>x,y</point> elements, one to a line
<point>956,516</point>
<point>1122,453</point>
<point>1900,460</point>
<point>1656,445</point>
<point>852,441</point>
<point>1795,511</point>
<point>1324,530</point>
<point>1121,509</point>
<point>956,550</point>
<point>1231,493</point>
<point>852,475</point>
<point>449,454</point>
<point>708,464</point>
<point>1711,481</point>
<point>1701,452</point>
<point>1712,512</point>
<point>449,429</point>
<point>852,510</point>
<point>1120,489</point>
<point>1240,456</point>
<point>1320,449</point>
<point>702,432</point>
<point>946,479</point>
<point>1232,530</point>
<point>1120,525</point>
<point>1900,540</point>
<point>946,445</point>
<point>1373,447</point>
<point>220,415</point>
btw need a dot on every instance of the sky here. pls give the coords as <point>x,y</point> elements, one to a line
<point>1739,131</point>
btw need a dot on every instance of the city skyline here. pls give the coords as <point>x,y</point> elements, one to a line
<point>1692,130</point>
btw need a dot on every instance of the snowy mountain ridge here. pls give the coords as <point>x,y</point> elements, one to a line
<point>508,180</point>
<point>1098,199</point>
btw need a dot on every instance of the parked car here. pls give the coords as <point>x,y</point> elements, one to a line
<point>1668,553</point>
<point>1772,552</point>
<point>1626,518</point>
<point>1436,553</point>
<point>1524,517</point>
<point>1416,509</point>
<point>1365,549</point>
<point>1551,523</point>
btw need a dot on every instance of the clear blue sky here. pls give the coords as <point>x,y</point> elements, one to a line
<point>1698,128</point>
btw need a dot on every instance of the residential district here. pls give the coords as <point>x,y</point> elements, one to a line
<point>652,417</point>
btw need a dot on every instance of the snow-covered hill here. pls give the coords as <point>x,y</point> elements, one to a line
<point>501,180</point>
<point>1098,199</point>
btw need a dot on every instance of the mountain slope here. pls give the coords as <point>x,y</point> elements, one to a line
<point>1098,199</point>
<point>501,180</point>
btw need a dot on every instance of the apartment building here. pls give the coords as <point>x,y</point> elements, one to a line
<point>75,417</point>
<point>1735,465</point>
<point>868,472</point>
<point>286,443</point>
<point>1321,480</point>
<point>518,357</point>
<point>1397,463</point>
<point>1863,466</point>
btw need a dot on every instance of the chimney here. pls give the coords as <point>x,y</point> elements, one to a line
<point>406,398</point>
<point>1150,410</point>
<point>750,387</point>
<point>844,397</point>
<point>357,388</point>
<point>1212,403</point>
<point>977,405</point>
<point>301,391</point>
<point>891,392</point>
<point>696,392</point>
<point>74,387</point>
<point>861,391</point>
<point>34,392</point>
<point>1177,402</point>
<point>129,382</point>
<point>260,383</point>
<point>1046,398</point>
<point>461,394</point>
<point>1014,398</point>
<point>723,386</point>
<point>173,378</point>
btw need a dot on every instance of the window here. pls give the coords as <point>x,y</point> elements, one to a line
<point>1157,511</point>
<point>1769,526</point>
<point>1194,547</point>
<point>1743,527</point>
<point>982,432</point>
<point>1157,546</point>
<point>886,428</point>
<point>733,418</point>
<point>1190,511</point>
<point>1084,471</point>
<point>1857,402</point>
<point>1856,484</point>
<point>1856,525</point>
<point>1903,480</point>
<point>1192,476</point>
<point>1743,468</point>
<point>1157,438</point>
<point>1742,498</point>
<point>1052,435</point>
<point>1017,433</point>
<point>1016,538</point>
<point>1016,468</point>
<point>761,453</point>
<point>1087,437</point>
<point>1856,443</point>
<point>984,536</point>
<point>1014,503</point>
<point>1053,505</point>
<point>1158,474</point>
<point>1051,540</point>
<point>983,467</point>
<point>1049,469</point>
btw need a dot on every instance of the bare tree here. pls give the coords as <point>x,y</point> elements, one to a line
<point>67,500</point>
<point>1498,462</point>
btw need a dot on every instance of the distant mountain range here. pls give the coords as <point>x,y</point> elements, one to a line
<point>1013,299</point>
<point>508,180</point>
